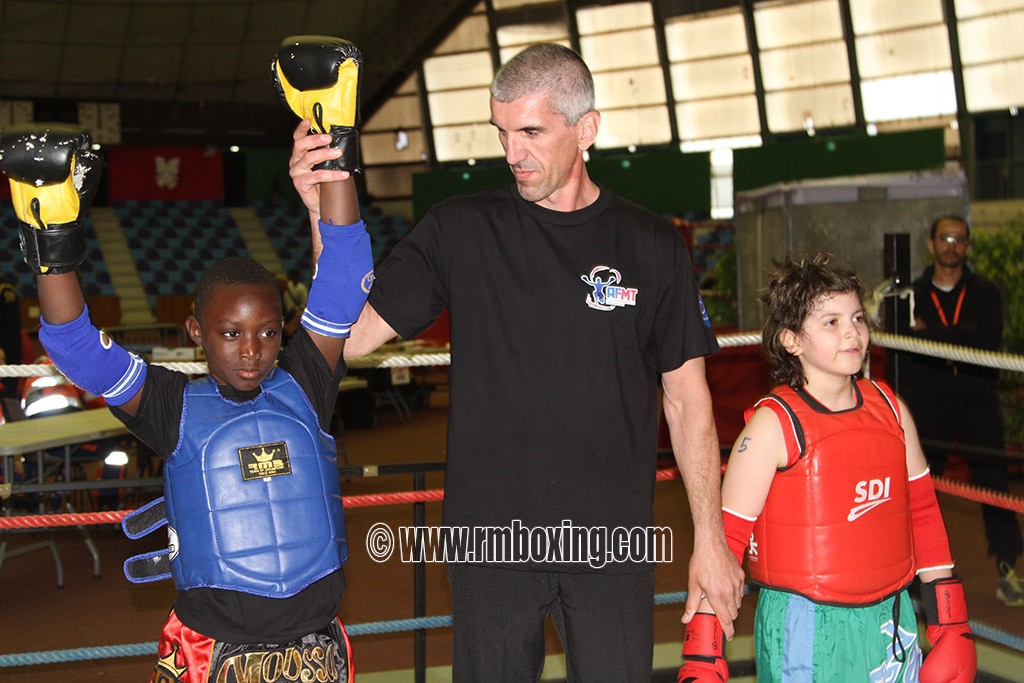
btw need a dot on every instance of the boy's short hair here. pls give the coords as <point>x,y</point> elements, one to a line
<point>793,289</point>
<point>234,270</point>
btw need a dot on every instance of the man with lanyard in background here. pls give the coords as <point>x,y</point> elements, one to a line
<point>959,402</point>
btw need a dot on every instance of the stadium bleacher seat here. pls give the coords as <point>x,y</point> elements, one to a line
<point>170,241</point>
<point>287,229</point>
<point>95,275</point>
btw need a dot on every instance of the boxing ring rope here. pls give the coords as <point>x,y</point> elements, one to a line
<point>115,516</point>
<point>980,629</point>
<point>956,488</point>
<point>979,495</point>
<point>396,359</point>
<point>963,354</point>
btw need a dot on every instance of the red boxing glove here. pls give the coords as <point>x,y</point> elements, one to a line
<point>952,658</point>
<point>702,651</point>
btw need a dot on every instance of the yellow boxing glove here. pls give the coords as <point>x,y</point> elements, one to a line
<point>54,178</point>
<point>318,78</point>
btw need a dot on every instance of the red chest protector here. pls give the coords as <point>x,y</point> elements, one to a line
<point>836,524</point>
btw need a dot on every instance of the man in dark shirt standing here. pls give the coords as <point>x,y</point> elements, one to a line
<point>567,304</point>
<point>959,402</point>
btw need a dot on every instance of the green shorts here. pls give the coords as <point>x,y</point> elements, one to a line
<point>799,640</point>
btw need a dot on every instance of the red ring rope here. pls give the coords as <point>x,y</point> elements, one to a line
<point>115,517</point>
<point>967,491</point>
<point>978,494</point>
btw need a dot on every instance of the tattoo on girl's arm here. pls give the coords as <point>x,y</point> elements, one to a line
<point>743,444</point>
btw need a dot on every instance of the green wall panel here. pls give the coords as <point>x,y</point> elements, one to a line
<point>665,183</point>
<point>265,169</point>
<point>917,150</point>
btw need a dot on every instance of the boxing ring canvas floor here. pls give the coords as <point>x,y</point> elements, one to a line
<point>36,616</point>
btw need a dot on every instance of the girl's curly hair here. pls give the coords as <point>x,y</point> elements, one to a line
<point>794,288</point>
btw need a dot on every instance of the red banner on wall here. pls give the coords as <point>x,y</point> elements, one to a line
<point>145,173</point>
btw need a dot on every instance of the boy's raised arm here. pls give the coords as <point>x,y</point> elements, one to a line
<point>317,77</point>
<point>54,178</point>
<point>342,269</point>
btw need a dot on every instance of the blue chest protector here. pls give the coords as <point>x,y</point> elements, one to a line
<point>252,494</point>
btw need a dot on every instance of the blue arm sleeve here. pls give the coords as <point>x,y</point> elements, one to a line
<point>92,360</point>
<point>341,280</point>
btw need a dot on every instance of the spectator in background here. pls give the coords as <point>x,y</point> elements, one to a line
<point>10,335</point>
<point>958,403</point>
<point>292,313</point>
<point>296,292</point>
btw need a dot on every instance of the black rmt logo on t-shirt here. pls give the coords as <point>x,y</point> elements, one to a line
<point>265,460</point>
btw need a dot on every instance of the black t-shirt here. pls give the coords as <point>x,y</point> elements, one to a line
<point>234,616</point>
<point>971,315</point>
<point>560,324</point>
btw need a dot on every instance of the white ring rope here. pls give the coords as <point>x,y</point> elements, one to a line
<point>43,369</point>
<point>964,354</point>
<point>398,359</point>
<point>925,347</point>
<point>727,341</point>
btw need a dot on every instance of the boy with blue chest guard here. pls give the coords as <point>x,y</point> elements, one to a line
<point>252,491</point>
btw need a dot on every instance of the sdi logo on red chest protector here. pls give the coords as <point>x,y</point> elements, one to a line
<point>870,493</point>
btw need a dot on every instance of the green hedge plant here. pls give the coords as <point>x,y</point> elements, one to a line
<point>999,256</point>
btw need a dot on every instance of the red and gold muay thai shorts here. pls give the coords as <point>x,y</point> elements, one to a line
<point>185,656</point>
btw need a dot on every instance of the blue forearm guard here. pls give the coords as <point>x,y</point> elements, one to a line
<point>92,360</point>
<point>341,281</point>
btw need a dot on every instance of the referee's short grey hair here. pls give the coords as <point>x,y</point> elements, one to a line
<point>548,68</point>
